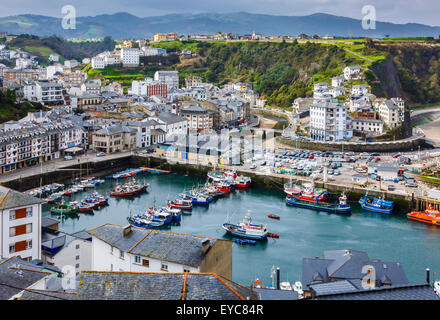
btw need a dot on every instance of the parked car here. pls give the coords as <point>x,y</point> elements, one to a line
<point>253,166</point>
<point>100,154</point>
<point>411,185</point>
<point>336,172</point>
<point>68,158</point>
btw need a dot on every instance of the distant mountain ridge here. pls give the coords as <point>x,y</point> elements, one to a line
<point>124,25</point>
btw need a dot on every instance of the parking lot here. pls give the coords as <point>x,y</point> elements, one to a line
<point>347,168</point>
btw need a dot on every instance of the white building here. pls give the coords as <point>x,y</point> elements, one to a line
<point>170,123</point>
<point>61,249</point>
<point>98,62</point>
<point>151,51</point>
<point>143,138</point>
<point>359,90</point>
<point>351,72</point>
<point>131,249</point>
<point>329,122</point>
<point>20,224</point>
<point>368,127</point>
<point>130,57</point>
<point>170,78</point>
<point>338,81</point>
<point>54,57</point>
<point>391,111</point>
<point>70,64</point>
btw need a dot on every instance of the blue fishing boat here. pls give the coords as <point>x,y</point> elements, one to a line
<point>342,207</point>
<point>246,229</point>
<point>159,215</point>
<point>144,222</point>
<point>175,213</point>
<point>374,204</point>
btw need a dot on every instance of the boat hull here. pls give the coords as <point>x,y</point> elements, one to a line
<point>419,217</point>
<point>366,206</point>
<point>318,206</point>
<point>237,233</point>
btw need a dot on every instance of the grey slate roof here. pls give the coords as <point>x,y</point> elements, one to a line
<point>167,246</point>
<point>48,222</point>
<point>403,292</point>
<point>16,273</point>
<point>159,286</point>
<point>272,294</point>
<point>48,295</point>
<point>12,199</point>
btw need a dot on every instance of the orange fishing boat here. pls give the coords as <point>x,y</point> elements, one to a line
<point>430,215</point>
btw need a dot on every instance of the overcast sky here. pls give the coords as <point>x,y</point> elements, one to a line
<point>396,11</point>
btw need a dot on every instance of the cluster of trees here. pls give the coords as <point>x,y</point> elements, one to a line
<point>11,110</point>
<point>281,71</point>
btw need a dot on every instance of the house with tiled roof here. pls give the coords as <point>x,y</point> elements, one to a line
<point>20,224</point>
<point>132,249</point>
<point>353,266</point>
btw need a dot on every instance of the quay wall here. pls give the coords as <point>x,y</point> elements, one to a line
<point>383,146</point>
<point>274,181</point>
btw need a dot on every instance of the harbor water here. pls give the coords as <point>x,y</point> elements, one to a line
<point>303,233</point>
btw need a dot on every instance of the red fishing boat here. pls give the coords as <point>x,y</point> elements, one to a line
<point>307,192</point>
<point>273,216</point>
<point>184,204</point>
<point>121,191</point>
<point>243,182</point>
<point>224,187</point>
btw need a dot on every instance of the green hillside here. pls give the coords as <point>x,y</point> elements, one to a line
<point>10,110</point>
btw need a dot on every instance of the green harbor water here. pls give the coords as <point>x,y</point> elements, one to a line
<point>303,233</point>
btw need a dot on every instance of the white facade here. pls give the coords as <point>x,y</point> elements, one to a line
<point>170,78</point>
<point>368,126</point>
<point>108,258</point>
<point>130,56</point>
<point>98,62</point>
<point>359,90</point>
<point>70,64</point>
<point>351,72</point>
<point>77,253</point>
<point>329,122</point>
<point>151,51</point>
<point>27,245</point>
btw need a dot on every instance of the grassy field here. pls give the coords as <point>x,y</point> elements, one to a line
<point>431,179</point>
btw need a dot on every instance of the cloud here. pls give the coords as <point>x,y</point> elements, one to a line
<point>396,11</point>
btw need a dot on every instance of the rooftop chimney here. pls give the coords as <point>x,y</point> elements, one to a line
<point>206,244</point>
<point>126,230</point>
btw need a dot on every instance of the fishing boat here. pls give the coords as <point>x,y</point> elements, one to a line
<point>159,215</point>
<point>273,216</point>
<point>342,207</point>
<point>144,222</point>
<point>243,182</point>
<point>175,213</point>
<point>430,215</point>
<point>246,229</point>
<point>183,204</point>
<point>63,208</point>
<point>224,187</point>
<point>306,192</point>
<point>376,204</point>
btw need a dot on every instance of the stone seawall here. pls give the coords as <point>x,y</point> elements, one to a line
<point>383,146</point>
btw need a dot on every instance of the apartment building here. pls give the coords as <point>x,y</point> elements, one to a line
<point>198,118</point>
<point>193,81</point>
<point>114,139</point>
<point>98,62</point>
<point>351,72</point>
<point>20,222</point>
<point>170,78</point>
<point>130,57</point>
<point>151,51</point>
<point>131,249</point>
<point>329,122</point>
<point>367,127</point>
<point>149,87</point>
<point>20,76</point>
<point>391,111</point>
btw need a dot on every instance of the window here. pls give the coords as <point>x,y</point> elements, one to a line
<point>121,254</point>
<point>77,266</point>
<point>12,232</point>
<point>29,228</point>
<point>186,270</point>
<point>29,212</point>
<point>11,248</point>
<point>137,259</point>
<point>77,246</point>
<point>77,258</point>
<point>164,267</point>
<point>11,215</point>
<point>146,263</point>
<point>28,244</point>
